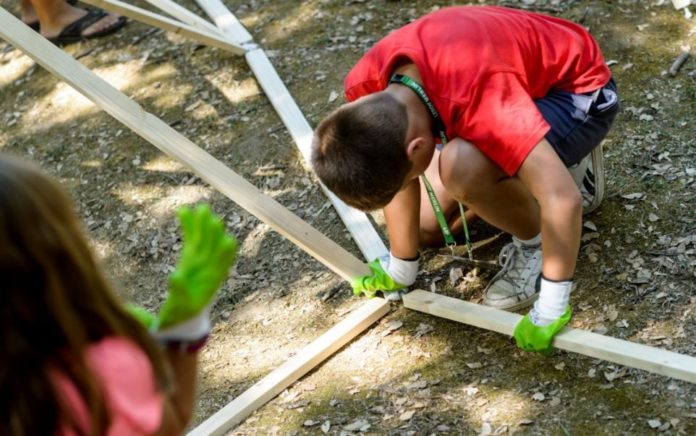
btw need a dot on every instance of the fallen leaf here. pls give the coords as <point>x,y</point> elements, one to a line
<point>325,427</point>
<point>474,365</point>
<point>590,225</point>
<point>392,326</point>
<point>357,425</point>
<point>654,423</point>
<point>538,397</point>
<point>633,196</point>
<point>407,415</point>
<point>423,329</point>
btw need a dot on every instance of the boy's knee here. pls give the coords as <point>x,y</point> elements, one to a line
<point>467,173</point>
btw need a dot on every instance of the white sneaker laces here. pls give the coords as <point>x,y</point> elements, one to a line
<point>511,259</point>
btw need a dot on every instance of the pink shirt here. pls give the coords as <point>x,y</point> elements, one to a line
<point>129,388</point>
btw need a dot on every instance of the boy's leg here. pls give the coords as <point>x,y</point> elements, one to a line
<point>507,204</point>
<point>578,125</point>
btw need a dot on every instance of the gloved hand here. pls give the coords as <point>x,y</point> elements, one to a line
<point>206,257</point>
<point>531,337</point>
<point>389,274</point>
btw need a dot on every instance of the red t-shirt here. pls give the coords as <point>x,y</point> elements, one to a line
<point>483,67</point>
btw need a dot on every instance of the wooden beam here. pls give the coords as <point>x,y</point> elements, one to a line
<point>364,234</point>
<point>625,353</point>
<point>294,368</point>
<point>182,14</point>
<point>171,142</point>
<point>225,20</point>
<point>207,37</point>
<point>358,225</point>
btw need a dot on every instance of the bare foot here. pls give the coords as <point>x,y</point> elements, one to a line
<point>52,27</point>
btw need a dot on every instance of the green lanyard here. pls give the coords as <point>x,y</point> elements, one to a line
<point>439,130</point>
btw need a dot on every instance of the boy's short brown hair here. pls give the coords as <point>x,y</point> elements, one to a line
<point>359,151</point>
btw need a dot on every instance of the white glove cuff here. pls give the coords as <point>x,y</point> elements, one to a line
<point>400,270</point>
<point>189,330</point>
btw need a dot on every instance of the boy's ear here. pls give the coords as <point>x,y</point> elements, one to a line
<point>414,147</point>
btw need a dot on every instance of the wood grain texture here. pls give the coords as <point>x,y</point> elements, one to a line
<point>619,351</point>
<point>204,36</point>
<point>182,14</point>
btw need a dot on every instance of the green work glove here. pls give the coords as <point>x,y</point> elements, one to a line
<point>389,274</point>
<point>206,256</point>
<point>141,314</point>
<point>531,337</point>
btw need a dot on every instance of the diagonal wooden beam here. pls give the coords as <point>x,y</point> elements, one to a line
<point>625,353</point>
<point>294,368</point>
<point>182,14</point>
<point>225,20</point>
<point>357,223</point>
<point>204,36</point>
<point>174,144</point>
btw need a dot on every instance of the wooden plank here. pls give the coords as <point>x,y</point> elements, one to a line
<point>162,136</point>
<point>357,222</point>
<point>182,14</point>
<point>294,368</point>
<point>619,351</point>
<point>225,20</point>
<point>213,39</point>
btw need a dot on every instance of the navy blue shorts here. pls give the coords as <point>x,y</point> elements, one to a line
<point>578,124</point>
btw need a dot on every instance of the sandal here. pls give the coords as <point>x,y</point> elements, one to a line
<point>35,26</point>
<point>73,31</point>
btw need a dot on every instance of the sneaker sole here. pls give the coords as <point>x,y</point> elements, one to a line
<point>593,182</point>
<point>520,305</point>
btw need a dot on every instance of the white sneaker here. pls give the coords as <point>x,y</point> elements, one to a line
<point>517,284</point>
<point>589,177</point>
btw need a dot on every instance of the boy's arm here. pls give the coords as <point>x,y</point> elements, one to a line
<point>402,216</point>
<point>560,203</point>
<point>399,269</point>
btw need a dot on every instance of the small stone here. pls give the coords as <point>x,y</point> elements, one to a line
<point>538,397</point>
<point>654,423</point>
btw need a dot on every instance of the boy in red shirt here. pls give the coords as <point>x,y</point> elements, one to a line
<point>519,101</point>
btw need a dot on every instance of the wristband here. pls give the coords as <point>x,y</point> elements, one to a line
<point>187,347</point>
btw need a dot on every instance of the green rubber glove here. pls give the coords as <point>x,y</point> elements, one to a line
<point>531,337</point>
<point>206,257</point>
<point>379,280</point>
<point>141,314</point>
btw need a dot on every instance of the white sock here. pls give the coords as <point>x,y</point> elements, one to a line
<point>529,242</point>
<point>552,302</point>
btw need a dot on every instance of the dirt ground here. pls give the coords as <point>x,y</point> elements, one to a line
<point>411,373</point>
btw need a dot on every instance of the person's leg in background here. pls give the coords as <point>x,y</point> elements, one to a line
<point>62,22</point>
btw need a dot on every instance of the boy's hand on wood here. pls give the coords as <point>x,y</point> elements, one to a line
<point>531,337</point>
<point>389,274</point>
